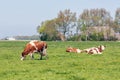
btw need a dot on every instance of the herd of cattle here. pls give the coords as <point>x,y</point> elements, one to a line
<point>41,47</point>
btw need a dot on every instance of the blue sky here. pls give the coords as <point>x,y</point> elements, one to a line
<point>21,17</point>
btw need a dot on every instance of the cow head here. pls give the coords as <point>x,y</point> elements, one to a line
<point>101,47</point>
<point>69,49</point>
<point>23,56</point>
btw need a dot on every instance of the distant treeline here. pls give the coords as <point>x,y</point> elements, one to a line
<point>93,24</point>
<point>33,37</point>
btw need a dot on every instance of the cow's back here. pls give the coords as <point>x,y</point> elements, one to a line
<point>40,45</point>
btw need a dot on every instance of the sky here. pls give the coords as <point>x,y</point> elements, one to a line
<point>21,17</point>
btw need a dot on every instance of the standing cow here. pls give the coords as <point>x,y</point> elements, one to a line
<point>35,46</point>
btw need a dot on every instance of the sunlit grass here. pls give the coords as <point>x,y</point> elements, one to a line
<point>60,65</point>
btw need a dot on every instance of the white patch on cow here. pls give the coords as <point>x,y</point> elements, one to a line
<point>44,51</point>
<point>99,53</point>
<point>102,47</point>
<point>33,44</point>
<point>78,51</point>
<point>95,51</point>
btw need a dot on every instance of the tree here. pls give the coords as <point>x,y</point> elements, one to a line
<point>61,27</point>
<point>94,18</point>
<point>47,30</point>
<point>67,27</point>
<point>65,22</point>
<point>117,21</point>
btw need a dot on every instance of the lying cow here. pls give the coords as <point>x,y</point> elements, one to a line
<point>35,46</point>
<point>94,50</point>
<point>74,50</point>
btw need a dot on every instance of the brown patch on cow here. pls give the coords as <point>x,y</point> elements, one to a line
<point>74,50</point>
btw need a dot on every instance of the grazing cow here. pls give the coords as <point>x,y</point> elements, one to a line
<point>75,50</point>
<point>35,46</point>
<point>94,50</point>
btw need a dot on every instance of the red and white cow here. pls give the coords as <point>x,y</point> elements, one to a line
<point>34,46</point>
<point>74,50</point>
<point>94,50</point>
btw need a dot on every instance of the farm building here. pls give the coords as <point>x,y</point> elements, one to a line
<point>10,38</point>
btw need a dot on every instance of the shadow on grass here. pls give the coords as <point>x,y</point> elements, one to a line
<point>42,59</point>
<point>76,78</point>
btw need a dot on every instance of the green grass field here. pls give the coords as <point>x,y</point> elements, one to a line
<point>60,65</point>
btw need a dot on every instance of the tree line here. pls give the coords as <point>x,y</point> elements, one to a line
<point>93,24</point>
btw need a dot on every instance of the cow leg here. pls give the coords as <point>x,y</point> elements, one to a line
<point>40,56</point>
<point>31,55</point>
<point>23,57</point>
<point>45,53</point>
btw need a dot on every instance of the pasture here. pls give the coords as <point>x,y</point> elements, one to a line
<point>60,65</point>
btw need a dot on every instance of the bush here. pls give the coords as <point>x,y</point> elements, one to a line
<point>74,38</point>
<point>83,37</point>
<point>96,37</point>
<point>112,38</point>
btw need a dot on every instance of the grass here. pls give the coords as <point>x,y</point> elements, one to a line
<point>60,65</point>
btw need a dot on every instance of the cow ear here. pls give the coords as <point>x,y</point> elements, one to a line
<point>101,45</point>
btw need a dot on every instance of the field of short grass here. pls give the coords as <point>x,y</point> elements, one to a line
<point>60,65</point>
